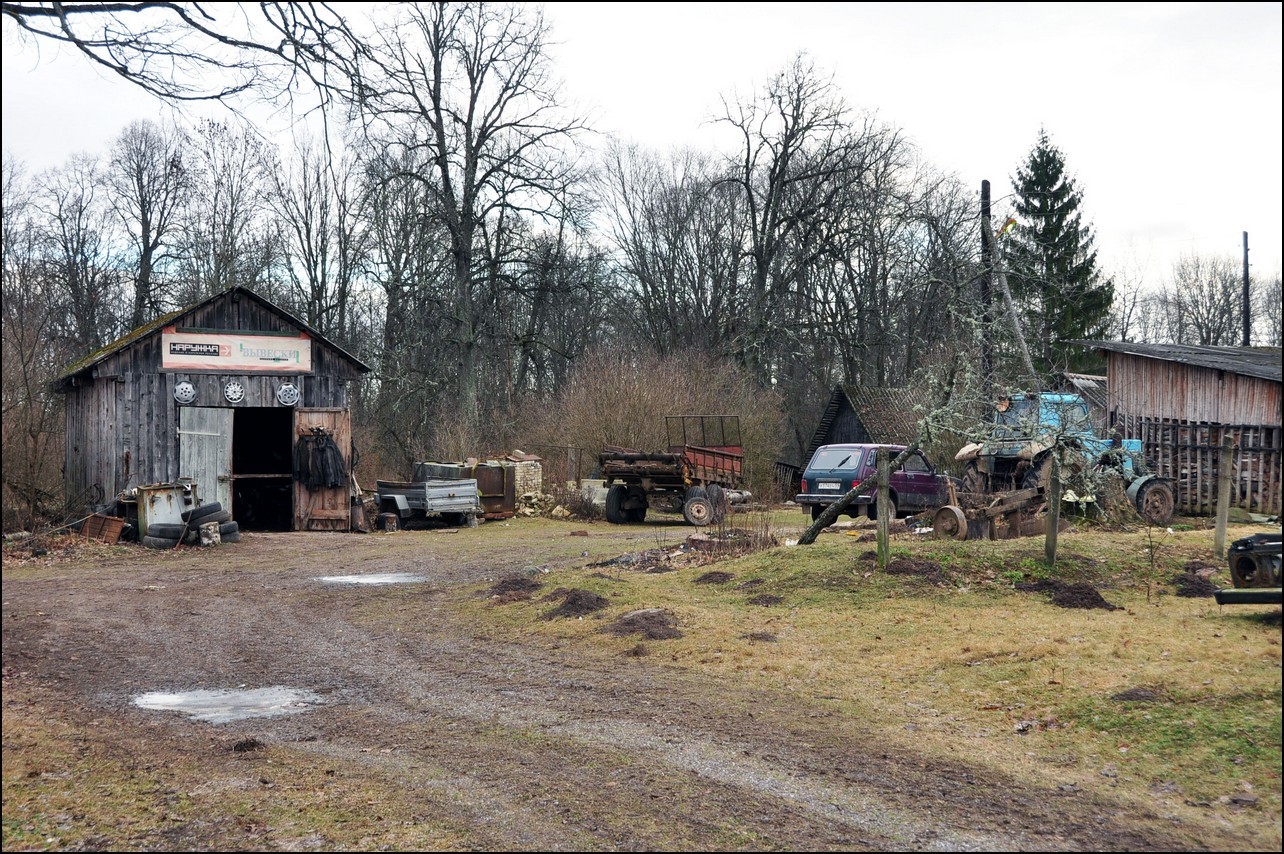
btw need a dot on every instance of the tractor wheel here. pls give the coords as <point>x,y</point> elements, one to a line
<point>1038,475</point>
<point>973,480</point>
<point>1155,502</point>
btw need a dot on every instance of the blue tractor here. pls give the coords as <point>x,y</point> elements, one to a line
<point>1017,453</point>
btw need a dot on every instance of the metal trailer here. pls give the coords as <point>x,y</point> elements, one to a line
<point>456,501</point>
<point>699,475</point>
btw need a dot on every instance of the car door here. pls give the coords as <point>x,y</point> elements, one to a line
<point>920,491</point>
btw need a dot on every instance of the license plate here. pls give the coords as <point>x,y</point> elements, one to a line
<point>834,486</point>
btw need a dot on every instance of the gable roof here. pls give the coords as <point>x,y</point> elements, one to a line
<point>1260,362</point>
<point>153,326</point>
<point>887,414</point>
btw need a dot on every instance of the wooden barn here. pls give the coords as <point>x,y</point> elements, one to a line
<point>225,393</point>
<point>1182,400</point>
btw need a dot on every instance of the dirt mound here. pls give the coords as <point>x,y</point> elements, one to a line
<point>1199,567</point>
<point>713,578</point>
<point>1193,586</point>
<point>515,587</point>
<point>750,584</point>
<point>1081,594</point>
<point>760,637</point>
<point>651,623</point>
<point>578,603</point>
<point>766,600</point>
<point>928,570</point>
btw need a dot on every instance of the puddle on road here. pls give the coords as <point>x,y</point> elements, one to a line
<point>220,707</point>
<point>374,578</point>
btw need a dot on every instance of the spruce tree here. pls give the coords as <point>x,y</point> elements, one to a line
<point>1051,262</point>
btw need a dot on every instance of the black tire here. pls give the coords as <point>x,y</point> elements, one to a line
<point>1155,502</point>
<point>972,480</point>
<point>233,537</point>
<point>202,511</point>
<point>166,530</point>
<point>636,515</point>
<point>615,513</point>
<point>718,498</point>
<point>228,528</point>
<point>1038,475</point>
<point>221,517</point>
<point>159,542</point>
<point>697,509</point>
<point>891,508</point>
<point>816,510</point>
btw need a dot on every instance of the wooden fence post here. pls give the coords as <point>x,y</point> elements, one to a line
<point>1054,512</point>
<point>1223,494</point>
<point>884,501</point>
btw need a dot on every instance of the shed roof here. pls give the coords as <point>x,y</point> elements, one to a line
<point>887,413</point>
<point>1261,362</point>
<point>153,326</point>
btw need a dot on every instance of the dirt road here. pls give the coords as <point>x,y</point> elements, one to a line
<point>476,743</point>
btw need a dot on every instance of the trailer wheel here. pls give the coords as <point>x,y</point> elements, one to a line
<point>697,509</point>
<point>615,512</point>
<point>1155,502</point>
<point>718,499</point>
<point>949,523</point>
<point>636,515</point>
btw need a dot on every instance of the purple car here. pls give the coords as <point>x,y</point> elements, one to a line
<point>835,469</point>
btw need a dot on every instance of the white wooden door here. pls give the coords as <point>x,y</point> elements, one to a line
<point>205,452</point>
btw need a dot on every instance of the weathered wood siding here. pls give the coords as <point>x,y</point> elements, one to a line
<point>324,509</point>
<point>1137,385</point>
<point>122,420</point>
<point>1181,414</point>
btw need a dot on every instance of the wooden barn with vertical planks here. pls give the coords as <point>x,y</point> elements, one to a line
<point>221,392</point>
<point>1182,400</point>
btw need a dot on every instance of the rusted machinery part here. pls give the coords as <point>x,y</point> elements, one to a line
<point>949,523</point>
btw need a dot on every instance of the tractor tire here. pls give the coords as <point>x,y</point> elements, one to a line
<point>973,481</point>
<point>1155,502</point>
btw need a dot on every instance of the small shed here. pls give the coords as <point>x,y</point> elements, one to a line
<point>857,414</point>
<point>1181,401</point>
<point>233,393</point>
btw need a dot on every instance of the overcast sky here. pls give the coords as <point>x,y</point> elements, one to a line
<point>1169,114</point>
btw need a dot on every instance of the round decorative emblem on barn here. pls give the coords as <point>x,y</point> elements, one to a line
<point>287,394</point>
<point>234,392</point>
<point>184,392</point>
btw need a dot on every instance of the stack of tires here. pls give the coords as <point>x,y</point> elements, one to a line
<point>165,535</point>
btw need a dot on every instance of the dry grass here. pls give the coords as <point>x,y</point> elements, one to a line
<point>974,669</point>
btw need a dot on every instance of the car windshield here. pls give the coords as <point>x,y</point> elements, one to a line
<point>836,458</point>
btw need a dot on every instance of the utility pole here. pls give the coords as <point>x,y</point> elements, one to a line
<point>1248,323</point>
<point>987,271</point>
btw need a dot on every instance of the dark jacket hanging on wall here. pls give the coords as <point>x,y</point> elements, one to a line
<point>318,462</point>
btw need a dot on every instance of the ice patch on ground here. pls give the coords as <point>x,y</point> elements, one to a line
<point>220,707</point>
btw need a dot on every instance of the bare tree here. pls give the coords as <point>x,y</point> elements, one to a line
<point>323,225</point>
<point>1202,302</point>
<point>147,181</point>
<point>80,247</point>
<point>224,237</point>
<point>467,86</point>
<point>33,349</point>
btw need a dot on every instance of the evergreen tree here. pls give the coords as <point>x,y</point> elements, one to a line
<point>1051,262</point>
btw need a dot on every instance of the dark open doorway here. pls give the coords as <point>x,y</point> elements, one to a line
<point>262,468</point>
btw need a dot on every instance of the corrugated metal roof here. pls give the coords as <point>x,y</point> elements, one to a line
<point>1261,362</point>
